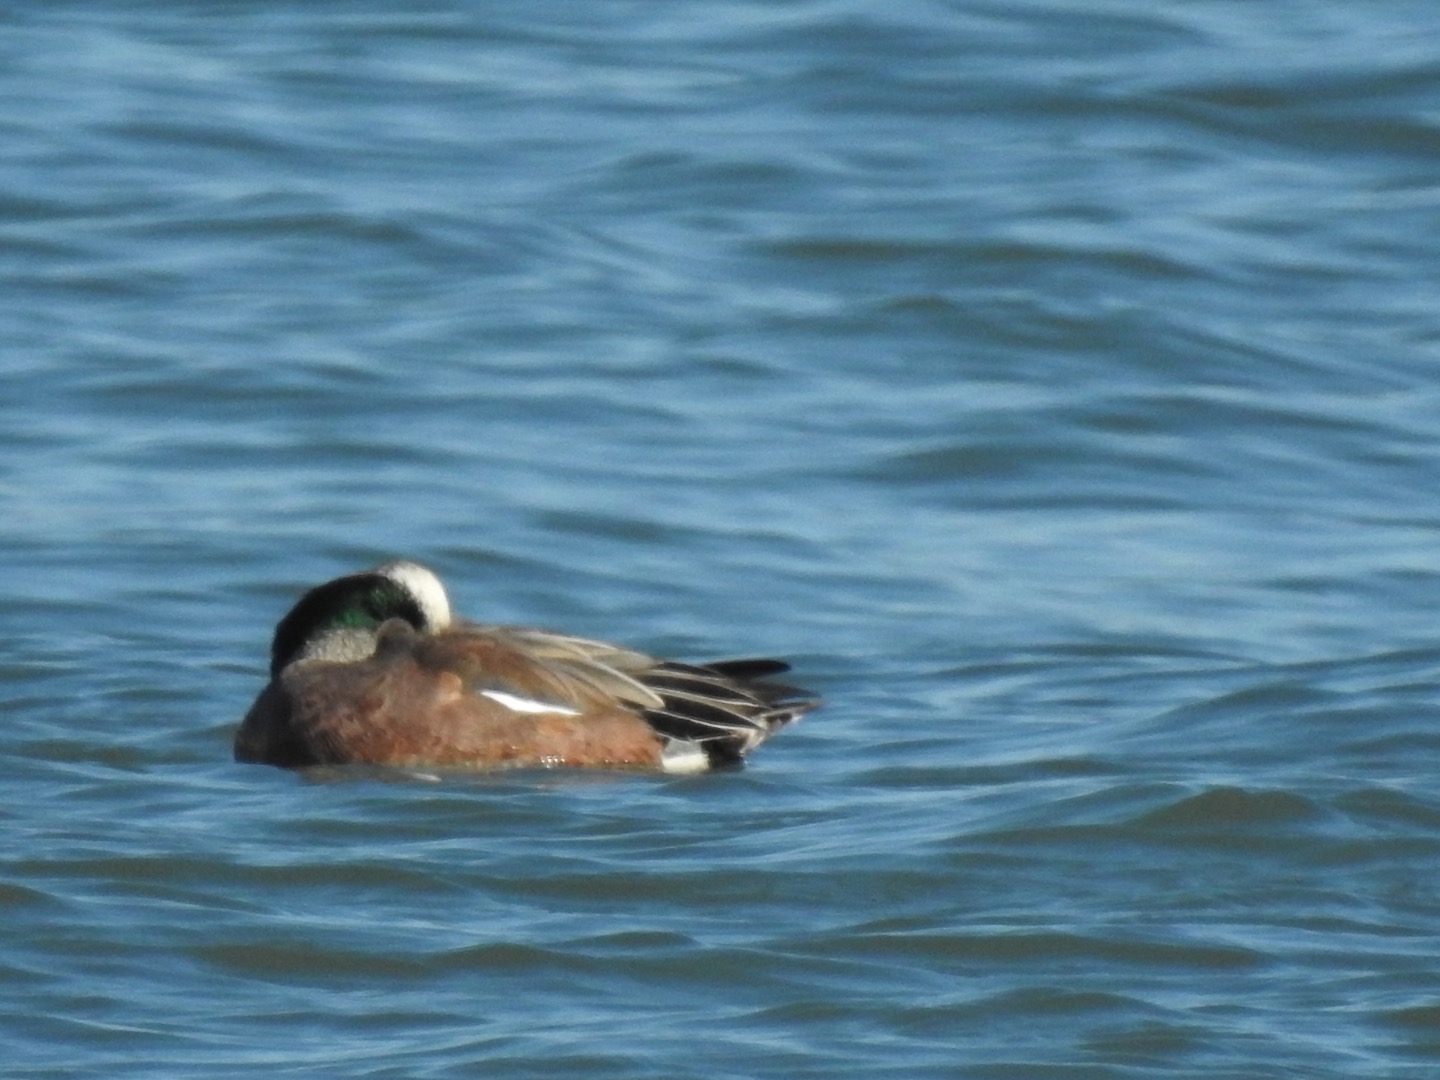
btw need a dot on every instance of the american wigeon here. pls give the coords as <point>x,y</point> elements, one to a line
<point>373,669</point>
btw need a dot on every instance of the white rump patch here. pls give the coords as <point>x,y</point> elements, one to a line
<point>680,756</point>
<point>528,705</point>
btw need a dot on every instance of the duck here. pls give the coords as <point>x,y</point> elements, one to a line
<point>372,668</point>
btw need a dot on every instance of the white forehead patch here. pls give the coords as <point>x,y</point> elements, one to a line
<point>425,587</point>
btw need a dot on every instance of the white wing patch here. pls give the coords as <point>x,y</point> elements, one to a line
<point>528,705</point>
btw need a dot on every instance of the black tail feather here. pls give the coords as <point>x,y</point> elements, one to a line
<point>727,706</point>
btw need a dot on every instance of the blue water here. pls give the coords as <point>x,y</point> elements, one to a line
<point>1056,384</point>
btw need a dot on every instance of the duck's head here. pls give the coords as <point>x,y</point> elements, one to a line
<point>339,620</point>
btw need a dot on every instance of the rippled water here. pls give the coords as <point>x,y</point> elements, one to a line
<point>1054,383</point>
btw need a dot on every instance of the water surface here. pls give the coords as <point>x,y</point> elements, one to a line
<point>1053,383</point>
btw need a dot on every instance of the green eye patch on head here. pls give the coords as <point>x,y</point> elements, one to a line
<point>358,602</point>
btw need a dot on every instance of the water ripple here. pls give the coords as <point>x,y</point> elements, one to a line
<point>1053,387</point>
